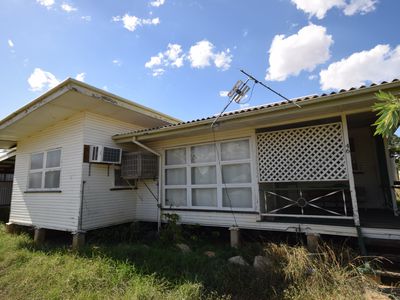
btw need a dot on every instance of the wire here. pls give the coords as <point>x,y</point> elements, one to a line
<point>267,87</point>
<point>219,167</point>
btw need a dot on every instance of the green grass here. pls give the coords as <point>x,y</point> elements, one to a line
<point>159,271</point>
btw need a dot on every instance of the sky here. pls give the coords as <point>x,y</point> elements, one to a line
<point>181,57</point>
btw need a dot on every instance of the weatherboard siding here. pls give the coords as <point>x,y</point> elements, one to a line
<point>50,210</point>
<point>102,206</point>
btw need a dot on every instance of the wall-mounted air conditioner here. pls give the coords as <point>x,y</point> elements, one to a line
<point>105,155</point>
<point>139,165</point>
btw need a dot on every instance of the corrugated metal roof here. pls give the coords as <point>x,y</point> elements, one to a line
<point>254,108</point>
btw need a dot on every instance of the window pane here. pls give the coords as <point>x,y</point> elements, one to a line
<point>235,150</point>
<point>52,179</point>
<point>237,173</point>
<point>175,197</point>
<point>175,156</point>
<point>37,161</point>
<point>204,175</point>
<point>35,180</point>
<point>53,159</point>
<point>204,197</point>
<point>203,153</point>
<point>237,197</point>
<point>175,176</point>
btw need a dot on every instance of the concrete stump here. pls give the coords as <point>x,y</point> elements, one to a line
<point>235,237</point>
<point>11,228</point>
<point>313,240</point>
<point>39,236</point>
<point>78,240</point>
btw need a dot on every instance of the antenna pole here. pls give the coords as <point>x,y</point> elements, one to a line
<point>267,87</point>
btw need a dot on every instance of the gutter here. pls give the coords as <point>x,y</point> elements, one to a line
<point>159,179</point>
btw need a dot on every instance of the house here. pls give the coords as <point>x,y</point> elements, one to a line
<point>314,167</point>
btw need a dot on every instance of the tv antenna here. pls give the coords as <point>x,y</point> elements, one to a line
<point>240,89</point>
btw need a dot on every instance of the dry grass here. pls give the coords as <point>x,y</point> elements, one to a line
<point>159,271</point>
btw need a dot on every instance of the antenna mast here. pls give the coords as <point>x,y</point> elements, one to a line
<point>240,89</point>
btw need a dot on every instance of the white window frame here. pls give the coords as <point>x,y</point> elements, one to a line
<point>219,185</point>
<point>43,170</point>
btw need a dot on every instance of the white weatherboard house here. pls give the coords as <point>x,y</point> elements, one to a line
<point>87,159</point>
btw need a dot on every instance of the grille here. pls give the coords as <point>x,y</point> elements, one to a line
<point>137,165</point>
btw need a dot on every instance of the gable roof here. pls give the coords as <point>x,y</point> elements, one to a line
<point>265,108</point>
<point>69,97</point>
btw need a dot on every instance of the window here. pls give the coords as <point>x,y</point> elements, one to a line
<point>45,170</point>
<point>210,176</point>
<point>120,182</point>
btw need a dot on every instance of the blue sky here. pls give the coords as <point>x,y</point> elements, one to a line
<point>180,56</point>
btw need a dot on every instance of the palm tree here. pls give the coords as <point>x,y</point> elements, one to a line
<point>388,113</point>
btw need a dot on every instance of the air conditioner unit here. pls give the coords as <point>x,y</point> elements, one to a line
<point>105,155</point>
<point>139,165</point>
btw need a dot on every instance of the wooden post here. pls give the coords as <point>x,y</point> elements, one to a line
<point>350,171</point>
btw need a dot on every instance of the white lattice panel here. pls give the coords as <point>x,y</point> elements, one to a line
<point>314,153</point>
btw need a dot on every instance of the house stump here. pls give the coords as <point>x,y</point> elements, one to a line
<point>235,236</point>
<point>10,228</point>
<point>78,240</point>
<point>39,236</point>
<point>313,240</point>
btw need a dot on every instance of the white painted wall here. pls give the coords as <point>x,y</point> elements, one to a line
<point>102,206</point>
<point>50,210</point>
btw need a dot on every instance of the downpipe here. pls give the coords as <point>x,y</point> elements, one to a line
<point>159,179</point>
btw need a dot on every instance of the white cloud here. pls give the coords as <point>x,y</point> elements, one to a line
<point>319,8</point>
<point>313,77</point>
<point>40,80</point>
<point>158,72</point>
<point>131,23</point>
<point>10,43</point>
<point>173,57</point>
<point>105,88</point>
<point>377,64</point>
<point>223,93</point>
<point>81,76</point>
<point>117,62</point>
<point>68,7</point>
<point>202,53</point>
<point>46,3</point>
<point>87,18</point>
<point>157,3</point>
<point>304,50</point>
<point>223,60</point>
<point>361,6</point>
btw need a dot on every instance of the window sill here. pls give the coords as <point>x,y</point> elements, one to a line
<point>211,210</point>
<point>121,189</point>
<point>42,191</point>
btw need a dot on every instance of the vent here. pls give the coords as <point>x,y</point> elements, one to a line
<point>107,155</point>
<point>139,165</point>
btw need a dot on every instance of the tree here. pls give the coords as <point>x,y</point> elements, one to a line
<point>388,112</point>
